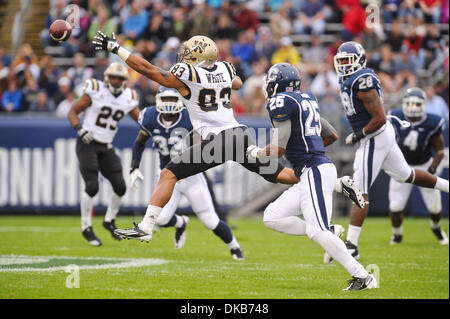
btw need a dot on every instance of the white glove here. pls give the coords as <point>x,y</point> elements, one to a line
<point>252,151</point>
<point>134,175</point>
<point>85,136</point>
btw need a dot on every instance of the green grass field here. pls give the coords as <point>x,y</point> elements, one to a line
<point>277,266</point>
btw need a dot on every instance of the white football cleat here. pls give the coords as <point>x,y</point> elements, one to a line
<point>180,233</point>
<point>134,233</point>
<point>337,230</point>
<point>440,235</point>
<point>350,190</point>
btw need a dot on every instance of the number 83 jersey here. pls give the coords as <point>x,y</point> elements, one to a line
<point>102,117</point>
<point>208,101</point>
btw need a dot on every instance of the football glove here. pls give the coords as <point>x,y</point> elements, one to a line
<point>355,137</point>
<point>135,174</point>
<point>85,136</point>
<point>432,170</point>
<point>252,151</point>
<point>102,42</point>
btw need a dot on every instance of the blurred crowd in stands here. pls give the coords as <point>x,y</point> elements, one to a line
<point>405,49</point>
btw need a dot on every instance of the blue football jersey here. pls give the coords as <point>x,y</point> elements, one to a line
<point>305,145</point>
<point>363,80</point>
<point>414,141</point>
<point>168,140</point>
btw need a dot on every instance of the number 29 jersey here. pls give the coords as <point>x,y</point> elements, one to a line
<point>102,117</point>
<point>414,141</point>
<point>208,101</point>
<point>305,145</point>
<point>362,80</point>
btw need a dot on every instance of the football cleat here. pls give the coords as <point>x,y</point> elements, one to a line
<point>350,190</point>
<point>396,239</point>
<point>337,230</point>
<point>111,226</point>
<point>180,233</point>
<point>88,233</point>
<point>237,253</point>
<point>440,235</point>
<point>362,283</point>
<point>134,233</point>
<point>352,249</point>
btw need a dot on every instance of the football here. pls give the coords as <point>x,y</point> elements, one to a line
<point>60,30</point>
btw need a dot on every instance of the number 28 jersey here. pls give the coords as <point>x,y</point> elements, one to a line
<point>362,80</point>
<point>102,117</point>
<point>208,101</point>
<point>414,141</point>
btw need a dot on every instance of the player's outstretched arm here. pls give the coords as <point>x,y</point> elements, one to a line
<point>103,42</point>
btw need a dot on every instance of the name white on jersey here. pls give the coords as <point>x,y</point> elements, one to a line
<point>208,103</point>
<point>103,115</point>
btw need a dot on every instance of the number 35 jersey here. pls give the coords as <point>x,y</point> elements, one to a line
<point>414,141</point>
<point>208,101</point>
<point>362,80</point>
<point>102,117</point>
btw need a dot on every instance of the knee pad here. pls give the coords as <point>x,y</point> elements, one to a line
<point>209,219</point>
<point>91,188</point>
<point>120,188</point>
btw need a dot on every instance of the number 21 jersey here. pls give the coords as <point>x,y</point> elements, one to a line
<point>102,117</point>
<point>208,101</point>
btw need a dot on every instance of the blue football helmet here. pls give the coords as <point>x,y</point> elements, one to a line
<point>168,101</point>
<point>281,77</point>
<point>413,103</point>
<point>349,58</point>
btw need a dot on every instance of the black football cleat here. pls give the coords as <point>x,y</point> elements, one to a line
<point>180,233</point>
<point>88,233</point>
<point>111,226</point>
<point>362,283</point>
<point>396,239</point>
<point>237,253</point>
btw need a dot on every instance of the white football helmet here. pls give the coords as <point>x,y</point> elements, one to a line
<point>116,69</point>
<point>413,103</point>
<point>168,101</point>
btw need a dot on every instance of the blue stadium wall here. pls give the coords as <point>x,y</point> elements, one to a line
<point>39,171</point>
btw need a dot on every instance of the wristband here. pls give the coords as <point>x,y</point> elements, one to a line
<point>77,127</point>
<point>432,170</point>
<point>123,53</point>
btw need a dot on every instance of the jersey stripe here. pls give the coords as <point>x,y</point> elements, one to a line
<point>230,70</point>
<point>134,94</point>
<point>196,76</point>
<point>301,123</point>
<point>95,84</point>
<point>190,69</point>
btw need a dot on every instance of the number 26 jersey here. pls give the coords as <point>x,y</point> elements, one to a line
<point>102,117</point>
<point>208,101</point>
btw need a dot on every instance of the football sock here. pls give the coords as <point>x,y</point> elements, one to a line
<point>233,244</point>
<point>86,204</point>
<point>148,222</point>
<point>338,185</point>
<point>353,234</point>
<point>441,184</point>
<point>397,230</point>
<point>171,222</point>
<point>291,225</point>
<point>179,221</point>
<point>113,208</point>
<point>336,248</point>
<point>224,232</point>
<point>435,221</point>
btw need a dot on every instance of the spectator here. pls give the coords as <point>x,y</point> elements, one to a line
<point>314,56</point>
<point>280,23</point>
<point>79,73</point>
<point>42,103</point>
<point>159,24</point>
<point>136,22</point>
<point>48,79</point>
<point>353,20</point>
<point>28,65</point>
<point>431,10</point>
<point>201,19</point>
<point>326,81</point>
<point>274,5</point>
<point>120,11</point>
<point>413,40</point>
<point>102,22</point>
<point>29,92</point>
<point>4,57</point>
<point>254,99</point>
<point>225,27</point>
<point>170,50</point>
<point>386,69</point>
<point>445,12</point>
<point>12,98</point>
<point>431,47</point>
<point>179,25</point>
<point>404,70</point>
<point>246,19</point>
<point>243,51</point>
<point>146,90</point>
<point>311,18</point>
<point>264,47</point>
<point>64,87</point>
<point>64,106</point>
<point>436,104</point>
<point>286,53</point>
<point>56,12</point>
<point>101,63</point>
<point>395,37</point>
<point>4,72</point>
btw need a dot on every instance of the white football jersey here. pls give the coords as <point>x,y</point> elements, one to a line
<point>208,101</point>
<point>102,117</point>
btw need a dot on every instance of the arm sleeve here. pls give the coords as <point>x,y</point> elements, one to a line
<point>327,128</point>
<point>282,133</point>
